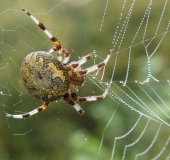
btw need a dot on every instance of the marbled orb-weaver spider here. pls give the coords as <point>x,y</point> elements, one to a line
<point>49,78</point>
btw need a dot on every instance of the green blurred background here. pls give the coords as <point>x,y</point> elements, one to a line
<point>59,132</point>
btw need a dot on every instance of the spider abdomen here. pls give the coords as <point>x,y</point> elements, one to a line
<point>44,76</point>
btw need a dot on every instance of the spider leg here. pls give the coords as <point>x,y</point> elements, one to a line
<point>93,68</point>
<point>78,63</point>
<point>60,53</point>
<point>29,114</point>
<point>90,98</point>
<point>75,105</point>
<point>52,38</point>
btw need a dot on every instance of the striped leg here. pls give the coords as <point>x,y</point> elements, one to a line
<point>75,105</point>
<point>53,38</point>
<point>29,114</point>
<point>78,63</point>
<point>90,98</point>
<point>60,53</point>
<point>93,68</point>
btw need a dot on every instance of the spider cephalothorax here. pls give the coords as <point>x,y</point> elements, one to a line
<point>49,78</point>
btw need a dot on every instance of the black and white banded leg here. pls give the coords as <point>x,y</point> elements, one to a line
<point>76,64</point>
<point>90,98</point>
<point>29,114</point>
<point>93,68</point>
<point>58,48</point>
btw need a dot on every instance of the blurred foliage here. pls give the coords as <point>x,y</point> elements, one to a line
<point>59,132</point>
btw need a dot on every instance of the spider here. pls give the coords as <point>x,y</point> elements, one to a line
<point>49,78</point>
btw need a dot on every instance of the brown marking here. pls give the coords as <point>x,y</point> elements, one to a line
<point>79,73</point>
<point>77,81</point>
<point>25,115</point>
<point>43,107</point>
<point>89,56</point>
<point>26,11</point>
<point>81,112</point>
<point>40,109</point>
<point>66,98</point>
<point>69,68</point>
<point>69,102</point>
<point>102,64</point>
<point>74,65</point>
<point>58,45</point>
<point>81,99</point>
<point>56,73</point>
<point>77,99</point>
<point>67,53</point>
<point>100,98</point>
<point>23,9</point>
<point>54,48</point>
<point>42,26</point>
<point>74,96</point>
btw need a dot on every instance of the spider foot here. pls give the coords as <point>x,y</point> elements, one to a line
<point>78,109</point>
<point>20,116</point>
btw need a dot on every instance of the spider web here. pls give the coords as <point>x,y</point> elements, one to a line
<point>132,122</point>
